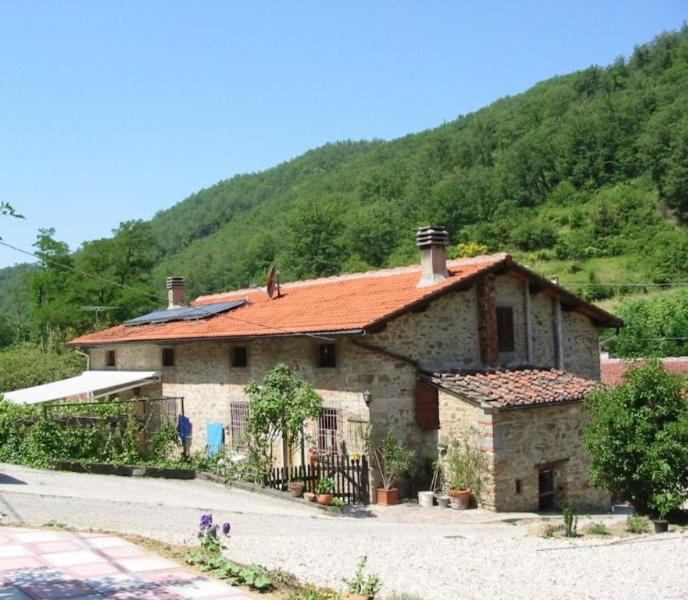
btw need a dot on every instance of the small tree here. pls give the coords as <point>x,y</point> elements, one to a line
<point>465,466</point>
<point>391,457</point>
<point>638,438</point>
<point>280,405</point>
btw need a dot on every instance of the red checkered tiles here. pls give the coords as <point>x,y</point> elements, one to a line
<point>60,565</point>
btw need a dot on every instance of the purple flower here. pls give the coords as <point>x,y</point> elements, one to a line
<point>206,521</point>
<point>213,530</point>
<point>225,528</point>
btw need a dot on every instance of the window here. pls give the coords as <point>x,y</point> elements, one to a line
<point>239,356</point>
<point>168,357</point>
<point>427,406</point>
<point>238,416</point>
<point>505,329</point>
<point>110,358</point>
<point>518,487</point>
<point>327,356</point>
<point>328,426</point>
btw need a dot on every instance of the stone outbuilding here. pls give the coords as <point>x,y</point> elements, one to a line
<point>441,348</point>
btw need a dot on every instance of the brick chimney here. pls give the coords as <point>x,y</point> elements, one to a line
<point>175,292</point>
<point>432,242</point>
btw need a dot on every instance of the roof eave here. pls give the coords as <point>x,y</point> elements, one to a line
<point>235,338</point>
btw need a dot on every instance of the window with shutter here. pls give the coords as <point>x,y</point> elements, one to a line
<point>427,406</point>
<point>505,329</point>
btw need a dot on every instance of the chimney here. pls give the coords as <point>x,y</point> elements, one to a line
<point>175,292</point>
<point>432,242</point>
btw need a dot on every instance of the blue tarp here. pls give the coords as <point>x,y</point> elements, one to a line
<point>216,437</point>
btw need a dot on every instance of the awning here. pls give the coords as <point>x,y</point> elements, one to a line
<point>90,384</point>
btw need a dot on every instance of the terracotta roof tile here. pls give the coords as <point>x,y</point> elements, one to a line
<point>332,304</point>
<point>514,387</point>
<point>613,369</point>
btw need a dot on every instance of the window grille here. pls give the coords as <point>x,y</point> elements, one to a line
<point>238,418</point>
<point>328,429</point>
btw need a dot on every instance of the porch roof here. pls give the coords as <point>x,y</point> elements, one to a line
<point>90,384</point>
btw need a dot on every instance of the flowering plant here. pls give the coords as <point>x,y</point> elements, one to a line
<point>211,535</point>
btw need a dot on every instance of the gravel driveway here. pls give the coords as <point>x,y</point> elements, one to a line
<point>438,554</point>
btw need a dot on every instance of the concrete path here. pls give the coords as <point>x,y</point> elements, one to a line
<point>41,564</point>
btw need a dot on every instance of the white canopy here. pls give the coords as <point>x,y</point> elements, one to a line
<point>90,384</point>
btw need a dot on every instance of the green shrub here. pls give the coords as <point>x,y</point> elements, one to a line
<point>104,431</point>
<point>637,524</point>
<point>598,529</point>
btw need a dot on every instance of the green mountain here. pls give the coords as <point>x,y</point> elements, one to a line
<point>588,169</point>
<point>584,175</point>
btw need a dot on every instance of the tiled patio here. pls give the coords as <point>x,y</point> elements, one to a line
<point>51,565</point>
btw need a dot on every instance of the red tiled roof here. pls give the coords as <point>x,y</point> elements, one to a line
<point>612,370</point>
<point>331,304</point>
<point>514,387</point>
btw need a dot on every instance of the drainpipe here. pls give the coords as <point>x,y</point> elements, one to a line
<point>529,323</point>
<point>558,341</point>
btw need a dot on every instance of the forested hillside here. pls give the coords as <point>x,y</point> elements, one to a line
<point>585,175</point>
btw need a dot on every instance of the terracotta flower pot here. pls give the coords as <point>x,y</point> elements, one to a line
<point>325,499</point>
<point>296,488</point>
<point>460,499</point>
<point>387,497</point>
<point>309,496</point>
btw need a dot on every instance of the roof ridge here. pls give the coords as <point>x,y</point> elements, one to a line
<point>387,272</point>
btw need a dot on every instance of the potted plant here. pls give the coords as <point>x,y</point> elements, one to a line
<point>465,467</point>
<point>392,459</point>
<point>325,490</point>
<point>663,503</point>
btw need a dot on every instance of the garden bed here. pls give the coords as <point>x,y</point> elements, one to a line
<point>265,491</point>
<point>124,470</point>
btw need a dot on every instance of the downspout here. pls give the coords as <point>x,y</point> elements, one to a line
<point>558,335</point>
<point>529,323</point>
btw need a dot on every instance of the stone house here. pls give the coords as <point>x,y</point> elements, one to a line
<point>480,346</point>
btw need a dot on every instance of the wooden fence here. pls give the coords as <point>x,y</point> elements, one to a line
<point>350,476</point>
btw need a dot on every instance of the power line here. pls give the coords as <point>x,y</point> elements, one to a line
<point>615,284</point>
<point>144,292</point>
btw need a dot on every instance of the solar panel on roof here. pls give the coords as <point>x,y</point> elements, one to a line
<point>188,313</point>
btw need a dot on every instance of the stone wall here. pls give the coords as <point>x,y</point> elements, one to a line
<point>461,420</point>
<point>581,346</point>
<point>129,357</point>
<point>444,336</point>
<point>527,437</point>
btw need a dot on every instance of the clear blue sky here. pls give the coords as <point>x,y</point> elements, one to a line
<point>114,110</point>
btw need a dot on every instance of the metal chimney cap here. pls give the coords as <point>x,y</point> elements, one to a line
<point>431,236</point>
<point>175,282</point>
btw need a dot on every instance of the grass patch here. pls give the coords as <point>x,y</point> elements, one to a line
<point>597,529</point>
